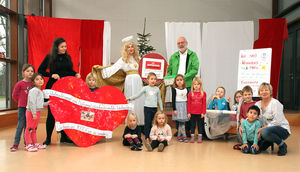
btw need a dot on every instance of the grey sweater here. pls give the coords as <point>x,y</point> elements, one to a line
<point>152,96</point>
<point>35,100</point>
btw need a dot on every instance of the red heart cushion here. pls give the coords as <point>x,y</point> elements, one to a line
<point>85,116</point>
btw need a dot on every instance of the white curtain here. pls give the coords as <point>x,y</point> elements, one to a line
<point>221,44</point>
<point>191,31</point>
<point>106,43</point>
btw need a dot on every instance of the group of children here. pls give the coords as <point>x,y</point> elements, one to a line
<point>188,104</point>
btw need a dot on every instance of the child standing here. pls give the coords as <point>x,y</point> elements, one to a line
<point>179,103</point>
<point>20,95</point>
<point>250,127</point>
<point>132,133</point>
<point>91,80</point>
<point>34,105</point>
<point>218,101</point>
<point>196,108</point>
<point>160,134</point>
<point>152,97</point>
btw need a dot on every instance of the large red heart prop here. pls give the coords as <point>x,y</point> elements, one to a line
<point>65,111</point>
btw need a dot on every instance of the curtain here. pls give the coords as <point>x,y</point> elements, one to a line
<point>272,33</point>
<point>84,40</point>
<point>106,43</point>
<point>221,43</point>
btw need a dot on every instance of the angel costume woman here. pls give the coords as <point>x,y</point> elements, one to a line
<point>133,82</point>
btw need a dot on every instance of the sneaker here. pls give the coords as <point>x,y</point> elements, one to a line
<point>282,150</point>
<point>39,146</point>
<point>148,146</point>
<point>14,148</point>
<point>199,139</point>
<point>160,147</point>
<point>192,139</point>
<point>179,139</point>
<point>31,148</point>
<point>139,147</point>
<point>184,139</point>
<point>133,147</point>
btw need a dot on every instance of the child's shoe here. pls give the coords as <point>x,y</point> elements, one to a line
<point>179,139</point>
<point>161,147</point>
<point>39,146</point>
<point>148,146</point>
<point>139,147</point>
<point>31,148</point>
<point>14,148</point>
<point>132,146</point>
<point>184,139</point>
<point>199,138</point>
<point>192,138</point>
<point>282,150</point>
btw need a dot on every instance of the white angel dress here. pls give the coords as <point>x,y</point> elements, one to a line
<point>133,84</point>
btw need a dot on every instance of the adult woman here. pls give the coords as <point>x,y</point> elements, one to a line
<point>276,127</point>
<point>60,65</point>
<point>133,82</point>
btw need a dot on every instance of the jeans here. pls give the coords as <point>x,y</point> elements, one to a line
<point>149,113</point>
<point>274,134</point>
<point>21,124</point>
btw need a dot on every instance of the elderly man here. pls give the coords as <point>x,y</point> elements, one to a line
<point>184,62</point>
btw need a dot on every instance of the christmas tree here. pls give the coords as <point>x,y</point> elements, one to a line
<point>143,40</point>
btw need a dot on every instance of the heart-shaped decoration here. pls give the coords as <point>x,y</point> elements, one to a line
<point>86,116</point>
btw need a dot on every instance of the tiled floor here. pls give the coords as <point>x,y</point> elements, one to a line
<point>216,155</point>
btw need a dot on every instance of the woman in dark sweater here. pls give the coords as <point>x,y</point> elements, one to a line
<point>60,65</point>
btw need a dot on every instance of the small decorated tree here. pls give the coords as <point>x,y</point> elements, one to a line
<point>143,40</point>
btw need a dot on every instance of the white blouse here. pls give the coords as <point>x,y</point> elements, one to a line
<point>273,115</point>
<point>120,64</point>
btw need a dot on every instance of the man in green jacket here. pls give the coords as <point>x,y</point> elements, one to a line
<point>184,62</point>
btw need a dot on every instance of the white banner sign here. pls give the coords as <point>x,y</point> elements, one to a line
<point>153,65</point>
<point>254,68</point>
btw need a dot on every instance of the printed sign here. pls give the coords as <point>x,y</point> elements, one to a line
<point>153,65</point>
<point>254,68</point>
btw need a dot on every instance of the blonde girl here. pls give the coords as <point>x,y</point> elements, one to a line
<point>218,101</point>
<point>160,134</point>
<point>20,95</point>
<point>91,80</point>
<point>196,108</point>
<point>132,133</point>
<point>179,103</point>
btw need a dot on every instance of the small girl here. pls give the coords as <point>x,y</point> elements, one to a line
<point>132,133</point>
<point>160,134</point>
<point>196,108</point>
<point>20,95</point>
<point>237,98</point>
<point>218,101</point>
<point>91,80</point>
<point>152,97</point>
<point>34,105</point>
<point>179,103</point>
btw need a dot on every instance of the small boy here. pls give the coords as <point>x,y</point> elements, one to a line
<point>91,80</point>
<point>152,97</point>
<point>250,127</point>
<point>247,102</point>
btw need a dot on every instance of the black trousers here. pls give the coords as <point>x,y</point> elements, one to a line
<point>149,113</point>
<point>50,122</point>
<point>155,143</point>
<point>196,119</point>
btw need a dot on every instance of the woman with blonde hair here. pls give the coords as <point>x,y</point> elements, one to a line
<point>129,63</point>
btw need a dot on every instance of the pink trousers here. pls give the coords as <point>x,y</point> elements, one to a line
<point>31,126</point>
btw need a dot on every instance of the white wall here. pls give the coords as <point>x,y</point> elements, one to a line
<point>127,16</point>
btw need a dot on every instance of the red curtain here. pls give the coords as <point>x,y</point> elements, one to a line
<point>85,36</point>
<point>272,33</point>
